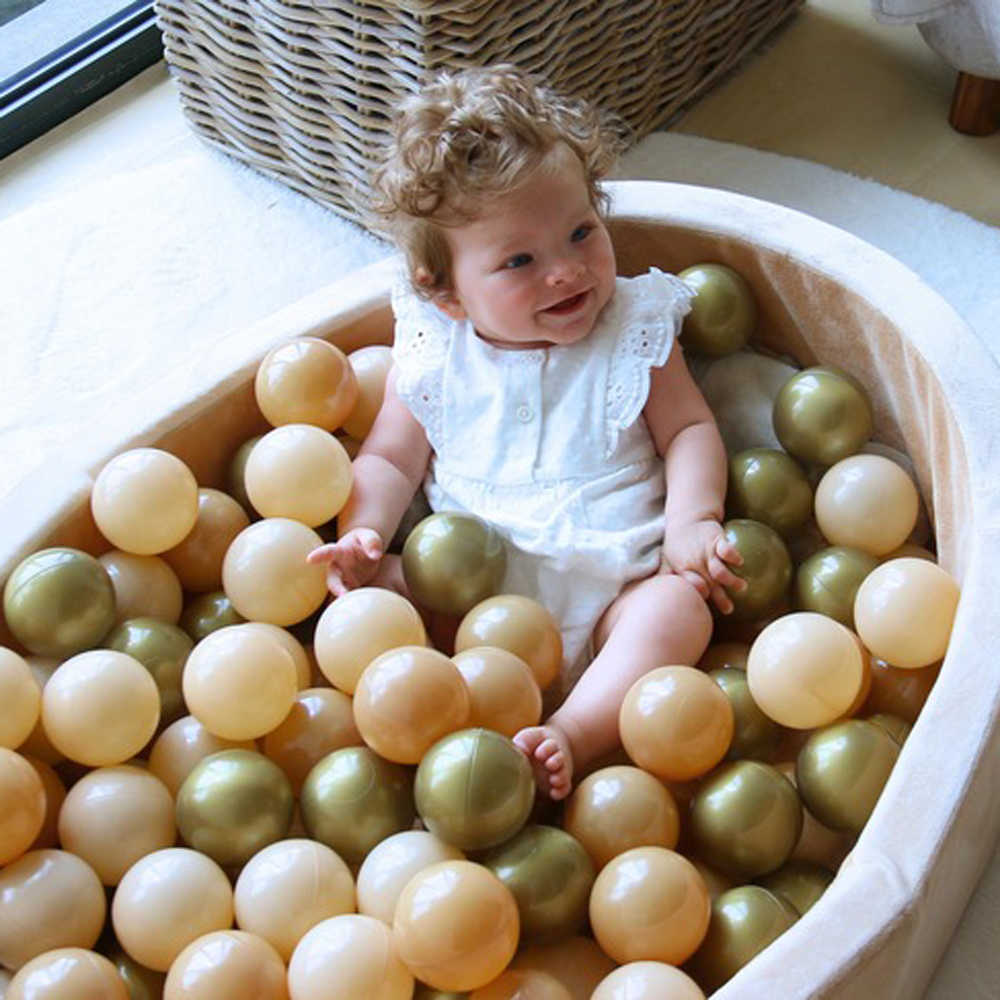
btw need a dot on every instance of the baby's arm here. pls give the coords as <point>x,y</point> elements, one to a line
<point>388,471</point>
<point>686,435</point>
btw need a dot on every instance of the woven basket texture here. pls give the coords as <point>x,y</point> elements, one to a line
<point>305,91</point>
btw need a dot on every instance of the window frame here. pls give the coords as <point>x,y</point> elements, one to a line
<point>74,75</point>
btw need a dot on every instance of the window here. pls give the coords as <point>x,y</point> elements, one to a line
<point>58,56</point>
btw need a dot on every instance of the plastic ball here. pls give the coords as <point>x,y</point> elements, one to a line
<point>321,720</point>
<point>724,656</point>
<point>745,920</point>
<point>306,381</point>
<point>58,602</point>
<point>827,582</point>
<point>197,558</point>
<point>233,804</point>
<point>48,899</point>
<point>300,472</point>
<point>371,367</point>
<point>407,699</point>
<point>145,586</point>
<point>167,900</point>
<point>805,670</point>
<point>22,794</point>
<point>647,981</point>
<point>239,683</point>
<point>288,887</point>
<point>456,925</point>
<point>755,734</point>
<point>359,626</point>
<point>163,649</point>
<point>142,983</point>
<point>503,693</point>
<point>723,312</point>
<point>392,863</point>
<point>474,789</point>
<point>145,501</point>
<point>266,575</point>
<point>746,819</point>
<point>649,904</point>
<point>818,844</point>
<point>353,799</point>
<point>842,770</point>
<point>898,728</point>
<point>55,795</point>
<point>68,974</point>
<point>899,690</point>
<point>766,568</point>
<point>769,486</point>
<point>235,483</point>
<point>577,962</point>
<point>620,807</point>
<point>904,612</point>
<point>676,723</point>
<point>800,883</point>
<point>184,743</point>
<point>207,613</point>
<point>21,697</point>
<point>867,502</point>
<point>452,562</point>
<point>227,963</point>
<point>113,816</point>
<point>300,656</point>
<point>100,707</point>
<point>347,957</point>
<point>822,414</point>
<point>522,984</point>
<point>550,875</point>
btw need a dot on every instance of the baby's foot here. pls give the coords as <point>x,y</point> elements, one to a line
<point>548,750</point>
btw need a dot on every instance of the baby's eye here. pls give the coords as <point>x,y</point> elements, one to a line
<point>518,260</point>
<point>581,233</point>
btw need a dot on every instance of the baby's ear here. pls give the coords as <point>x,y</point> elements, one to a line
<point>448,302</point>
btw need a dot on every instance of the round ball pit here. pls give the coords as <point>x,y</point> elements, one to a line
<point>824,297</point>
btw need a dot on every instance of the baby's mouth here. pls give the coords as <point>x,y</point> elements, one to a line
<point>567,305</point>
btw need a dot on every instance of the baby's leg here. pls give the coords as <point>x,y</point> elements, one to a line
<point>656,622</point>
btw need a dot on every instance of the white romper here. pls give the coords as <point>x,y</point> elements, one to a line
<point>547,444</point>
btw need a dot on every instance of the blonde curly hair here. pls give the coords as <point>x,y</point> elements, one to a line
<point>469,136</point>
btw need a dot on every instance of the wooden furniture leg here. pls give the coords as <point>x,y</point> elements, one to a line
<point>975,105</point>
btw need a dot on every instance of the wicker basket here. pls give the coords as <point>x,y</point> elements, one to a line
<point>305,90</point>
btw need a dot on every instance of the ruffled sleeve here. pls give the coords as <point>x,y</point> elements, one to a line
<point>420,348</point>
<point>650,309</point>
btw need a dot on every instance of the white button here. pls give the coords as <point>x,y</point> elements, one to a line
<point>524,414</point>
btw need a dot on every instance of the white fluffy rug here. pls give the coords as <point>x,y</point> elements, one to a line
<point>104,289</point>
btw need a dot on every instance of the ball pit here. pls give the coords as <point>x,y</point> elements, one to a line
<point>890,333</point>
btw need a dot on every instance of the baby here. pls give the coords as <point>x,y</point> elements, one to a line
<point>535,389</point>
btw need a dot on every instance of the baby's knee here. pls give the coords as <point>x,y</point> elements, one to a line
<point>684,605</point>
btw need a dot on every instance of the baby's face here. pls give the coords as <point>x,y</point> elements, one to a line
<point>537,267</point>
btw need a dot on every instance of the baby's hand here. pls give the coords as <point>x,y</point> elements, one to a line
<point>702,555</point>
<point>351,561</point>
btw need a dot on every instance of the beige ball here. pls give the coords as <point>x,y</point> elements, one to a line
<point>371,369</point>
<point>21,698</point>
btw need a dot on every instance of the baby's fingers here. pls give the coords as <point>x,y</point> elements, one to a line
<point>723,575</point>
<point>727,551</point>
<point>324,554</point>
<point>698,582</point>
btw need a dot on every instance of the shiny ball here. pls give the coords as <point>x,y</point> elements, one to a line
<point>649,904</point>
<point>474,789</point>
<point>805,670</point>
<point>746,819</point>
<point>353,799</point>
<point>22,794</point>
<point>207,613</point>
<point>21,697</point>
<point>359,626</point>
<point>522,984</point>
<point>899,690</point>
<point>842,770</point>
<point>503,693</point>
<point>905,610</point>
<point>306,381</point>
<point>67,974</point>
<point>647,981</point>
<point>233,804</point>
<point>800,883</point>
<point>145,586</point>
<point>521,626</point>
<point>145,501</point>
<point>227,963</point>
<point>676,723</point>
<point>766,568</point>
<point>182,745</point>
<point>287,888</point>
<point>371,366</point>
<point>550,875</point>
<point>827,582</point>
<point>822,414</point>
<point>755,734</point>
<point>456,925</point>
<point>408,699</point>
<point>576,962</point>
<point>620,807</point>
<point>867,502</point>
<point>769,486</point>
<point>452,562</point>
<point>723,312</point>
<point>58,602</point>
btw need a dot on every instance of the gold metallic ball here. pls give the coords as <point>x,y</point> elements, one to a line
<point>755,735</point>
<point>800,883</point>
<point>723,312</point>
<point>766,568</point>
<point>768,485</point>
<point>828,581</point>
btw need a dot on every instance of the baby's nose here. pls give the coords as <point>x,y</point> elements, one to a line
<point>565,270</point>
